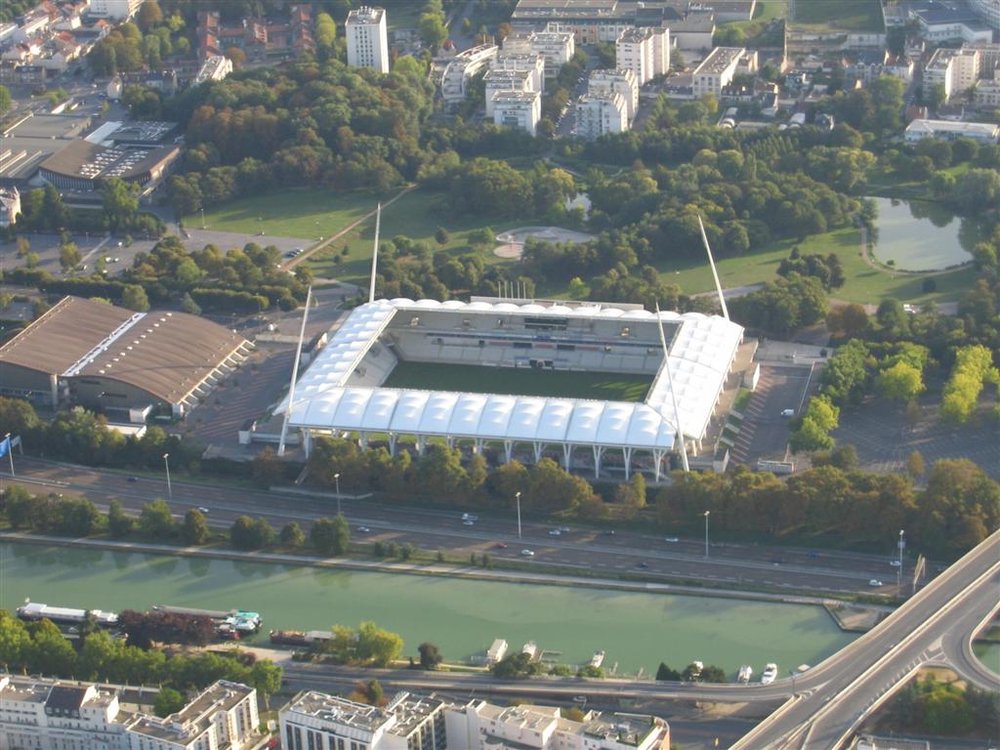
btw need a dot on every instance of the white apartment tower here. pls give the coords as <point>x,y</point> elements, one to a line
<point>644,51</point>
<point>517,109</point>
<point>601,114</point>
<point>367,39</point>
<point>116,10</point>
<point>956,70</point>
<point>619,82</point>
<point>720,67</point>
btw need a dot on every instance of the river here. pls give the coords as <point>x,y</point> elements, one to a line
<point>636,630</point>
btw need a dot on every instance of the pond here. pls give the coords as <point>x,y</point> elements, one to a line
<point>462,617</point>
<point>922,236</point>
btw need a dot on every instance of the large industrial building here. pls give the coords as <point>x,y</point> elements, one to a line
<point>342,390</point>
<point>82,352</point>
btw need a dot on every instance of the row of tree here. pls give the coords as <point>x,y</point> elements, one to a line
<point>945,708</point>
<point>40,648</point>
<point>972,369</point>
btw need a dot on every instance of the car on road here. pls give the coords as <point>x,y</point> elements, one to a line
<point>671,539</point>
<point>609,532</point>
<point>469,517</point>
<point>468,522</point>
<point>895,563</point>
<point>203,509</point>
<point>788,412</point>
<point>527,553</point>
<point>500,545</point>
<point>874,583</point>
<point>554,532</point>
<point>642,564</point>
<point>364,530</point>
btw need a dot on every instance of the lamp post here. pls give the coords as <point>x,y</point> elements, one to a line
<point>517,497</point>
<point>899,568</point>
<point>166,465</point>
<point>336,478</point>
<point>707,512</point>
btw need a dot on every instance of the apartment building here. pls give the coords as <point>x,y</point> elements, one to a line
<point>644,51</point>
<point>116,10</point>
<point>367,39</point>
<point>498,81</point>
<point>533,63</point>
<point>957,70</point>
<point>720,67</point>
<point>517,109</point>
<point>41,714</point>
<point>556,47</point>
<point>461,69</point>
<point>601,114</point>
<point>619,81</point>
<point>317,721</point>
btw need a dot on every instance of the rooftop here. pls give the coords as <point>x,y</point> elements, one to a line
<point>719,59</point>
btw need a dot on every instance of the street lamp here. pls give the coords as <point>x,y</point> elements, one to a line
<point>336,478</point>
<point>166,464</point>
<point>899,568</point>
<point>517,497</point>
<point>707,512</point>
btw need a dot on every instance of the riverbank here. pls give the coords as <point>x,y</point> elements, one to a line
<point>852,618</point>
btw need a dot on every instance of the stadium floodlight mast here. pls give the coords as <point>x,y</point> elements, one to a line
<point>673,396</point>
<point>715,273</point>
<point>295,375</point>
<point>378,222</point>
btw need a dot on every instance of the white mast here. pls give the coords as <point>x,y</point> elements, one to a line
<point>715,273</point>
<point>378,220</point>
<point>670,387</point>
<point>295,375</point>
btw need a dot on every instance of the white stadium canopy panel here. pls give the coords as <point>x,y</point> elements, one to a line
<point>700,356</point>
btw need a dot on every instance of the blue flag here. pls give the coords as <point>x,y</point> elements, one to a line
<point>5,446</point>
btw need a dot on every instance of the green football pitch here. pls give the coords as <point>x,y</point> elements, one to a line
<point>525,381</point>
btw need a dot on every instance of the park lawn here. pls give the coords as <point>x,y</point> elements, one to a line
<point>519,381</point>
<point>417,215</point>
<point>864,284</point>
<point>768,10</point>
<point>306,214</point>
<point>849,15</point>
<point>404,15</point>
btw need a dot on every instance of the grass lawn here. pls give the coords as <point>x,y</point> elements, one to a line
<point>864,284</point>
<point>768,10</point>
<point>849,15</point>
<point>520,382</point>
<point>306,214</point>
<point>417,215</point>
<point>404,15</point>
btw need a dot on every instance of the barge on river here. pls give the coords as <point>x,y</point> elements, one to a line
<point>33,611</point>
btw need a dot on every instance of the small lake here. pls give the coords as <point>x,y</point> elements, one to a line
<point>922,236</point>
<point>636,630</point>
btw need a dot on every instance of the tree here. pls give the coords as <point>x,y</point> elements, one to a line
<point>195,528</point>
<point>236,56</point>
<point>14,642</point>
<point>247,533</point>
<point>168,701</point>
<point>915,464</point>
<point>268,469</point>
<point>156,520</point>
<point>69,256</point>
<point>330,536</point>
<point>430,655</point>
<point>119,524</point>
<point>292,535</point>
<point>5,100</point>
<point>900,382</point>
<point>432,31</point>
<point>121,202</point>
<point>134,298</point>
<point>380,647</point>
<point>265,675</point>
<point>149,15</point>
<point>49,653</point>
<point>665,673</point>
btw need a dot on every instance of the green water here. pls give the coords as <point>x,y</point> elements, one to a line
<point>922,236</point>
<point>989,654</point>
<point>462,617</point>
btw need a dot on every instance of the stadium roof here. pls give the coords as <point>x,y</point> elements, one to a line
<point>699,360</point>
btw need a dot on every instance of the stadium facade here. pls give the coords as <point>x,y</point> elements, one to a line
<point>341,392</point>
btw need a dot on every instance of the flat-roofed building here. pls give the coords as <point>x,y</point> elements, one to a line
<point>957,70</point>
<point>84,166</point>
<point>223,716</point>
<point>517,109</point>
<point>694,32</point>
<point>988,11</point>
<point>367,39</point>
<point>718,70</point>
<point>461,69</point>
<point>644,51</point>
<point>616,81</point>
<point>601,114</point>
<point>532,62</point>
<point>984,132</point>
<point>556,47</point>
<point>215,68</point>
<point>101,356</point>
<point>505,80</point>
<point>117,10</point>
<point>987,94</point>
<point>317,721</point>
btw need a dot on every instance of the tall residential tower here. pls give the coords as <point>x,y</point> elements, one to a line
<point>367,39</point>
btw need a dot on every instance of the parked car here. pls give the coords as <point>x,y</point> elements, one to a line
<point>671,539</point>
<point>874,583</point>
<point>527,553</point>
<point>364,530</point>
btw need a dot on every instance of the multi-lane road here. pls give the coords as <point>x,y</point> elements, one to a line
<point>593,552</point>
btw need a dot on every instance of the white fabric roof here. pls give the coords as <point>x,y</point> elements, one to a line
<point>699,361</point>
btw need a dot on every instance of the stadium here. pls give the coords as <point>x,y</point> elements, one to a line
<point>572,380</point>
